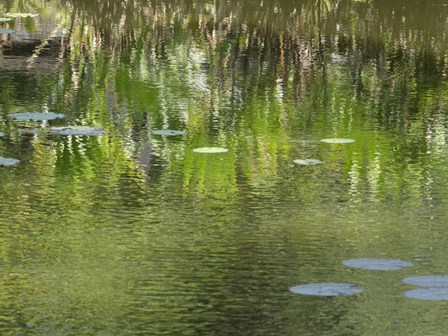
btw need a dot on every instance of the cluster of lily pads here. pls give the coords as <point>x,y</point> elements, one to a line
<point>94,131</point>
<point>432,287</point>
<point>312,162</point>
<point>214,150</point>
<point>45,116</point>
<point>435,287</point>
<point>86,131</point>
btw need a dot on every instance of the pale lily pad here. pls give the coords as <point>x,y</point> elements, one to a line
<point>327,289</point>
<point>8,161</point>
<point>168,132</point>
<point>428,280</point>
<point>35,116</point>
<point>338,140</point>
<point>430,294</point>
<point>377,264</point>
<point>210,150</point>
<point>78,130</point>
<point>5,20</point>
<point>7,31</point>
<point>22,15</point>
<point>308,162</point>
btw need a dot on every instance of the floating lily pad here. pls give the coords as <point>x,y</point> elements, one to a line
<point>6,31</point>
<point>5,20</point>
<point>337,140</point>
<point>8,161</point>
<point>210,150</point>
<point>428,280</point>
<point>327,289</point>
<point>431,294</point>
<point>168,132</point>
<point>22,15</point>
<point>78,130</point>
<point>35,116</point>
<point>377,264</point>
<point>308,162</point>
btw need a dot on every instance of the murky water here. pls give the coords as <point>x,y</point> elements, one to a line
<point>133,233</point>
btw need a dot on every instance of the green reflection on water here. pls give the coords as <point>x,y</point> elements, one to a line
<point>134,233</point>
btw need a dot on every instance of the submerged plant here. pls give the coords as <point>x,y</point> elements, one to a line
<point>168,132</point>
<point>78,130</point>
<point>327,289</point>
<point>377,264</point>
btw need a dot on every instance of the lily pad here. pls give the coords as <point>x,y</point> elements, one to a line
<point>210,150</point>
<point>5,20</point>
<point>428,280</point>
<point>21,15</point>
<point>78,130</point>
<point>377,264</point>
<point>6,31</point>
<point>35,116</point>
<point>431,294</point>
<point>8,161</point>
<point>338,140</point>
<point>168,132</point>
<point>308,162</point>
<point>327,289</point>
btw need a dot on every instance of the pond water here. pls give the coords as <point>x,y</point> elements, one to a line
<point>135,228</point>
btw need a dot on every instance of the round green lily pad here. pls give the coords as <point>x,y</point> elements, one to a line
<point>337,140</point>
<point>7,31</point>
<point>78,130</point>
<point>35,116</point>
<point>327,289</point>
<point>168,132</point>
<point>210,150</point>
<point>22,15</point>
<point>430,294</point>
<point>428,280</point>
<point>8,161</point>
<point>377,264</point>
<point>308,162</point>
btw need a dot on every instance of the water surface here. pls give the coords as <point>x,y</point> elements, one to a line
<point>134,233</point>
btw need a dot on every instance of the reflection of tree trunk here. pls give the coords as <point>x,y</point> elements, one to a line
<point>324,76</point>
<point>235,56</point>
<point>321,58</point>
<point>297,68</point>
<point>359,86</point>
<point>111,100</point>
<point>22,6</point>
<point>357,73</point>
<point>144,156</point>
<point>65,45</point>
